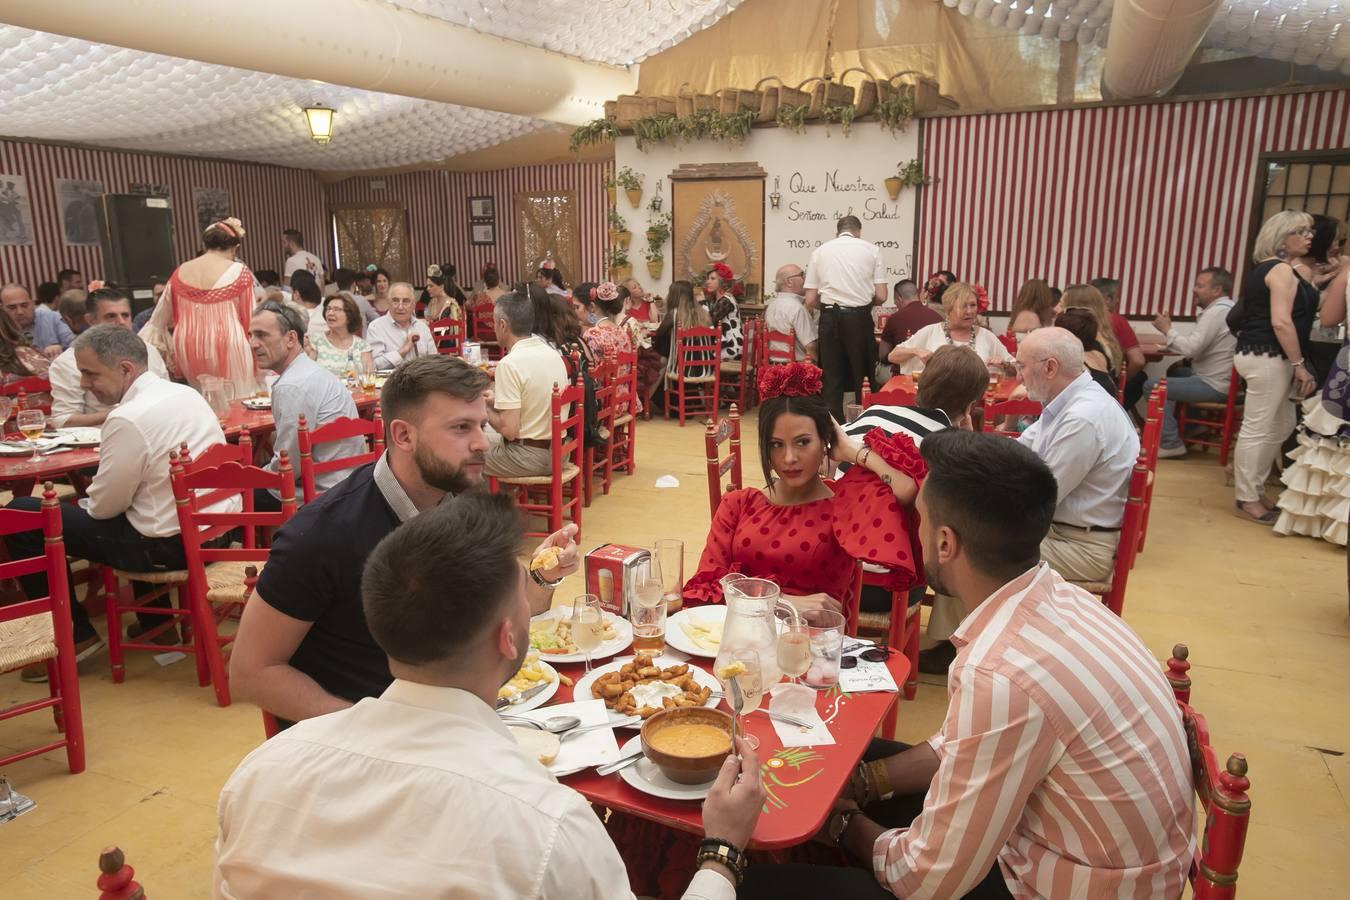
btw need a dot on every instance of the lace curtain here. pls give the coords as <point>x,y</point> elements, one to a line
<point>546,227</point>
<point>373,234</point>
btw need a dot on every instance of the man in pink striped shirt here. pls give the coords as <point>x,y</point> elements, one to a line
<point>1061,769</point>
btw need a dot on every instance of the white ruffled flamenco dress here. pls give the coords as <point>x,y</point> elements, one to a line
<point>1316,498</point>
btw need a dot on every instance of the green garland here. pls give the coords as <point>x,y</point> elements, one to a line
<point>792,117</point>
<point>596,131</point>
<point>895,112</point>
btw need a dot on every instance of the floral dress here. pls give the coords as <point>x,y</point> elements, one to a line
<point>605,339</point>
<point>334,358</point>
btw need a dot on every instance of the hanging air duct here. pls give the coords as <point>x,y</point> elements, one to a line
<point>1150,43</point>
<point>366,44</point>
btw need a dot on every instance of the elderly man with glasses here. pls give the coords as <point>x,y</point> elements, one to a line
<point>786,313</point>
<point>398,334</point>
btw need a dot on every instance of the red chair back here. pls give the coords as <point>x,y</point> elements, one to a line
<point>371,430</point>
<point>779,348</point>
<point>1149,446</point>
<point>995,411</point>
<point>64,699</point>
<point>624,442</point>
<point>727,431</point>
<point>449,335</point>
<point>21,388</point>
<point>483,328</point>
<point>698,367</point>
<point>883,398</point>
<point>1222,793</point>
<point>1130,526</point>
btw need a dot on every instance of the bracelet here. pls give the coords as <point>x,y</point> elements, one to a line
<point>863,455</point>
<point>844,818</point>
<point>719,851</point>
<point>543,582</point>
<point>1297,364</point>
<point>879,778</point>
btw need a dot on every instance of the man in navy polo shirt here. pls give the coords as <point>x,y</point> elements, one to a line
<point>303,648</point>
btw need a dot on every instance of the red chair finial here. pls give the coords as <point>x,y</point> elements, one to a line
<point>115,882</point>
<point>1177,669</point>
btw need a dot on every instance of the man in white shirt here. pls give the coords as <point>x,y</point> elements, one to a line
<point>1090,445</point>
<point>303,388</point>
<point>521,409</point>
<point>422,791</point>
<point>398,334</point>
<point>787,314</point>
<point>845,279</point>
<point>72,405</point>
<point>1209,346</point>
<point>131,521</point>
<point>298,258</point>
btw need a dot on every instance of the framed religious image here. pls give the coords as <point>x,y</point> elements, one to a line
<point>482,233</point>
<point>77,203</point>
<point>719,219</point>
<point>482,208</point>
<point>16,211</point>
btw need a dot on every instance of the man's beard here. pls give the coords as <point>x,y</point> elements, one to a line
<point>442,475</point>
<point>933,573</point>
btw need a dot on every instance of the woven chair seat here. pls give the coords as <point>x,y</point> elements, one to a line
<point>692,379</point>
<point>225,580</point>
<point>874,621</point>
<point>735,367</point>
<point>569,472</point>
<point>26,641</point>
<point>174,576</point>
<point>624,419</point>
<point>1216,407</point>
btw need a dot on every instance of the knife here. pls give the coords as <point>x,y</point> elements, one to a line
<point>622,762</point>
<point>503,702</point>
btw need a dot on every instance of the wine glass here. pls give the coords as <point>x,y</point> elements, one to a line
<point>744,668</point>
<point>6,407</point>
<point>647,612</point>
<point>794,648</point>
<point>588,625</point>
<point>32,422</point>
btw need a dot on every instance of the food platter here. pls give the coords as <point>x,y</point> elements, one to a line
<point>645,776</point>
<point>540,633</point>
<point>700,678</point>
<point>522,681</point>
<point>684,628</point>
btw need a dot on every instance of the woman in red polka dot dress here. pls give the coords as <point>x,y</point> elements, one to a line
<point>804,532</point>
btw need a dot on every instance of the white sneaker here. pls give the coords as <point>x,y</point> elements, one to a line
<point>1171,452</point>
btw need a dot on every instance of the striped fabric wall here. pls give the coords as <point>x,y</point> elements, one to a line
<point>267,199</point>
<point>1148,193</point>
<point>438,213</point>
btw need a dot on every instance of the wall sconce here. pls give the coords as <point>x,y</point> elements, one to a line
<point>774,197</point>
<point>655,205</point>
<point>320,121</point>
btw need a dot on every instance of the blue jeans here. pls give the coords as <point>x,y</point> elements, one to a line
<point>1182,388</point>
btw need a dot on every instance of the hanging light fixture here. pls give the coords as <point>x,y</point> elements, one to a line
<point>774,197</point>
<point>320,121</point>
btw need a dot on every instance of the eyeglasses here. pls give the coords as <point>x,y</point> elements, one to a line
<point>1303,232</point>
<point>874,655</point>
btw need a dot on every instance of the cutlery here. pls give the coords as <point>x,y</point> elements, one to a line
<point>621,763</point>
<point>737,704</point>
<point>784,717</point>
<point>503,702</point>
<point>621,723</point>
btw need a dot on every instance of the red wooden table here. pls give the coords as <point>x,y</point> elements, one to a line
<point>906,383</point>
<point>802,783</point>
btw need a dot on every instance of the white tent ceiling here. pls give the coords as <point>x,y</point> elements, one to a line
<point>67,89</point>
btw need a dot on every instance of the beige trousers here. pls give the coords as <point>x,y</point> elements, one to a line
<point>512,459</point>
<point>943,620</point>
<point>1267,418</point>
<point>1079,555</point>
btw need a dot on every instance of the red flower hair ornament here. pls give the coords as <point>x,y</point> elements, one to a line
<point>981,298</point>
<point>724,272</point>
<point>798,379</point>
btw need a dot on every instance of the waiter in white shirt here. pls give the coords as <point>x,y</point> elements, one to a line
<point>845,279</point>
<point>131,521</point>
<point>1090,445</point>
<point>72,405</point>
<point>297,258</point>
<point>423,791</point>
<point>1209,346</point>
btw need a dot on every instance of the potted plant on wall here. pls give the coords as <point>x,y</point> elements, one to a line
<point>907,174</point>
<point>619,234</point>
<point>658,232</point>
<point>656,260</point>
<point>631,182</point>
<point>619,266</point>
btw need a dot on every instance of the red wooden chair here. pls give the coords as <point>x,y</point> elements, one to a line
<point>1113,592</point>
<point>601,459</point>
<point>901,626</point>
<point>449,335</point>
<point>778,348</point>
<point>1220,421</point>
<point>698,353</point>
<point>1120,383</point>
<point>1008,408</point>
<point>336,430</point>
<point>1149,445</point>
<point>39,630</point>
<point>727,431</point>
<point>484,332</point>
<point>20,390</point>
<point>1222,793</point>
<point>883,398</point>
<point>624,441</point>
<point>739,375</point>
<point>221,579</point>
<point>553,495</point>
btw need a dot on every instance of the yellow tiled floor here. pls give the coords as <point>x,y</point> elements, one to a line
<point>1265,619</point>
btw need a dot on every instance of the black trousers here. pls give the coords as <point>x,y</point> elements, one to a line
<point>813,882</point>
<point>1134,388</point>
<point>111,542</point>
<point>848,352</point>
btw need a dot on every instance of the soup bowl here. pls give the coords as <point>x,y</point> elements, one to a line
<point>677,740</point>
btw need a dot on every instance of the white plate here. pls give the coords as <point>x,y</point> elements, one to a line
<point>644,776</point>
<point>623,638</point>
<point>538,699</point>
<point>80,436</point>
<point>257,403</point>
<point>16,448</point>
<point>676,637</point>
<point>702,678</point>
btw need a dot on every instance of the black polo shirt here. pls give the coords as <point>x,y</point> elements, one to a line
<point>314,574</point>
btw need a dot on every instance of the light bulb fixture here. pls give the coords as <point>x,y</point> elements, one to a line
<point>774,197</point>
<point>656,197</point>
<point>320,121</point>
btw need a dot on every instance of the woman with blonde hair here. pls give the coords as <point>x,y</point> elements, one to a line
<point>682,313</point>
<point>1273,325</point>
<point>1035,307</point>
<point>1085,296</point>
<point>961,303</point>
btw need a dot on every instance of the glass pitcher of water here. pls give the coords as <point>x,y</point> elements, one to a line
<point>750,623</point>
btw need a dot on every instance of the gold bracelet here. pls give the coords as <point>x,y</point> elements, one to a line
<point>880,779</point>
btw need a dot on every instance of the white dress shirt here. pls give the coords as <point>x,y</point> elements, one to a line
<point>303,259</point>
<point>308,389</point>
<point>386,338</point>
<point>154,417</point>
<point>1209,345</point>
<point>421,792</point>
<point>785,312</point>
<point>931,337</point>
<point>846,271</point>
<point>1091,446</point>
<point>69,399</point>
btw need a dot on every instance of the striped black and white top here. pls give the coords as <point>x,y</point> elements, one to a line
<point>911,420</point>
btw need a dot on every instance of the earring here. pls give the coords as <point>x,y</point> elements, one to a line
<point>1281,253</point>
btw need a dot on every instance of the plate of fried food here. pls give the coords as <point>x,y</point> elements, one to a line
<point>644,685</point>
<point>551,635</point>
<point>519,693</point>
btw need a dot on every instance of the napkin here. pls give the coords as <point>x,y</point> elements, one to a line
<point>594,748</point>
<point>667,481</point>
<point>867,677</point>
<point>798,701</point>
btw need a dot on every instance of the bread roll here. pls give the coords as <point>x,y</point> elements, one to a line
<point>543,744</point>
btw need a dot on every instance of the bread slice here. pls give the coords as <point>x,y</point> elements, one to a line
<point>543,744</point>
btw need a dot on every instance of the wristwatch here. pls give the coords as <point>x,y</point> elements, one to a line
<point>839,825</point>
<point>543,582</point>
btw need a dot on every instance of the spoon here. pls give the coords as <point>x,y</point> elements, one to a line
<point>556,724</point>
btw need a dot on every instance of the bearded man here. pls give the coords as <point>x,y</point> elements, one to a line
<point>303,647</point>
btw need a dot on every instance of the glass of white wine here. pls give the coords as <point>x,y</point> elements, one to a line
<point>32,422</point>
<point>744,668</point>
<point>647,611</point>
<point>794,648</point>
<point>588,625</point>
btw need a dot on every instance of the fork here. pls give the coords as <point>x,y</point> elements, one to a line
<point>784,717</point>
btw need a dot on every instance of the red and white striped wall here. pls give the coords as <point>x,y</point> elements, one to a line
<point>267,199</point>
<point>1149,194</point>
<point>438,213</point>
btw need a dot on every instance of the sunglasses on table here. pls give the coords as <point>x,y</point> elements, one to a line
<point>872,655</point>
